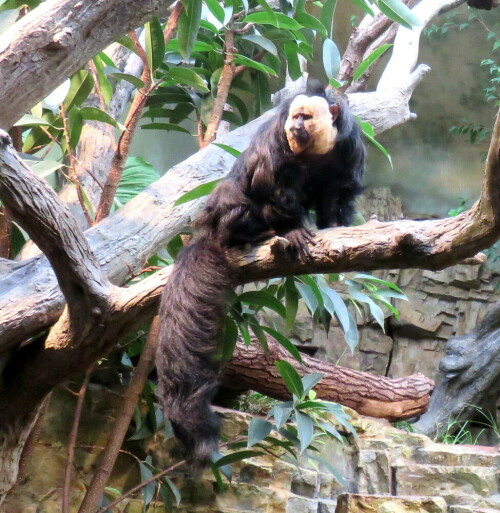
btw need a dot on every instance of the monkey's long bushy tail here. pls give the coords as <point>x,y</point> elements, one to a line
<point>191,313</point>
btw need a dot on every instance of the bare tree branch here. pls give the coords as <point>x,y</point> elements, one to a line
<point>55,40</point>
<point>376,396</point>
<point>35,205</point>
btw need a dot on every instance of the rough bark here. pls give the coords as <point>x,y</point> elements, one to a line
<point>55,40</point>
<point>469,369</point>
<point>377,396</point>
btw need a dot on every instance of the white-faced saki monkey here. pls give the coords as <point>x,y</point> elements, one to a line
<point>310,156</point>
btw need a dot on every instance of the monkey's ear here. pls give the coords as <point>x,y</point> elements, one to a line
<point>335,111</point>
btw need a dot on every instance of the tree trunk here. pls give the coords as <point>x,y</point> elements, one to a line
<point>376,396</point>
<point>470,367</point>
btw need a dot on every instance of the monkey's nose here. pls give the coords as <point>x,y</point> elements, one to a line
<point>300,134</point>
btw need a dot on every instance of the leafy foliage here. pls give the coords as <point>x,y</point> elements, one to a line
<point>292,428</point>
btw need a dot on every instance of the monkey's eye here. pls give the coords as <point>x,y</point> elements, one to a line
<point>301,115</point>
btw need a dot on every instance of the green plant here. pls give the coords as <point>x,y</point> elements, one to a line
<point>291,428</point>
<point>458,431</point>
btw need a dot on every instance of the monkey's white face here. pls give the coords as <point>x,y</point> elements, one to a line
<point>309,127</point>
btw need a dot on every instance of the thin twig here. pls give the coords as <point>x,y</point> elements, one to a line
<point>72,166</point>
<point>223,87</point>
<point>72,440</point>
<point>97,85</point>
<point>122,422</point>
<point>140,485</point>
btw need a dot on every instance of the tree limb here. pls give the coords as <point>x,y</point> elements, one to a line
<point>57,39</point>
<point>35,205</point>
<point>405,51</point>
<point>368,394</point>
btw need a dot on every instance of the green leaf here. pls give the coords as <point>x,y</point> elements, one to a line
<point>376,54</point>
<point>311,380</point>
<point>276,19</point>
<point>308,279</point>
<point>369,277</point>
<point>299,5</point>
<point>310,22</point>
<point>308,296</point>
<point>148,492</point>
<point>29,120</point>
<point>95,114</point>
<point>155,44</point>
<point>81,86</point>
<point>131,79</point>
<point>391,293</point>
<point>281,413</point>
<point>331,58</point>
<point>127,43</point>
<point>113,492</point>
<point>290,377</point>
<point>197,192</point>
<point>199,46</point>
<point>104,83</point>
<point>175,491</point>
<point>335,305</point>
<point>363,4</point>
<point>292,60</point>
<point>165,126</point>
<point>399,12</point>
<point>263,42</point>
<point>305,430</point>
<point>378,146</point>
<point>351,335</point>
<point>43,168</point>
<point>188,26</point>
<point>136,176</point>
<point>335,473</point>
<point>262,298</point>
<point>331,431</point>
<point>375,310</point>
<point>241,59</point>
<point>216,9</point>
<point>233,151</point>
<point>229,339</point>
<point>291,302</point>
<point>258,332</point>
<point>327,15</point>
<point>385,302</point>
<point>258,429</point>
<point>283,341</point>
<point>75,124</point>
<point>236,456</point>
<point>188,77</point>
<point>219,484</point>
<point>240,105</point>
<point>175,245</point>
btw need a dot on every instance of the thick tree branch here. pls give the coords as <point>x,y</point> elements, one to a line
<point>406,45</point>
<point>55,40</point>
<point>377,396</point>
<point>123,242</point>
<point>469,369</point>
<point>35,205</point>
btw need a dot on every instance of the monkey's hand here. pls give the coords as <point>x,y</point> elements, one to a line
<point>299,240</point>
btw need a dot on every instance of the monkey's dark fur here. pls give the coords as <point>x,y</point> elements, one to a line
<point>269,191</point>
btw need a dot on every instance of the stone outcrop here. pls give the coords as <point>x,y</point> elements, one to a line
<point>384,470</point>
